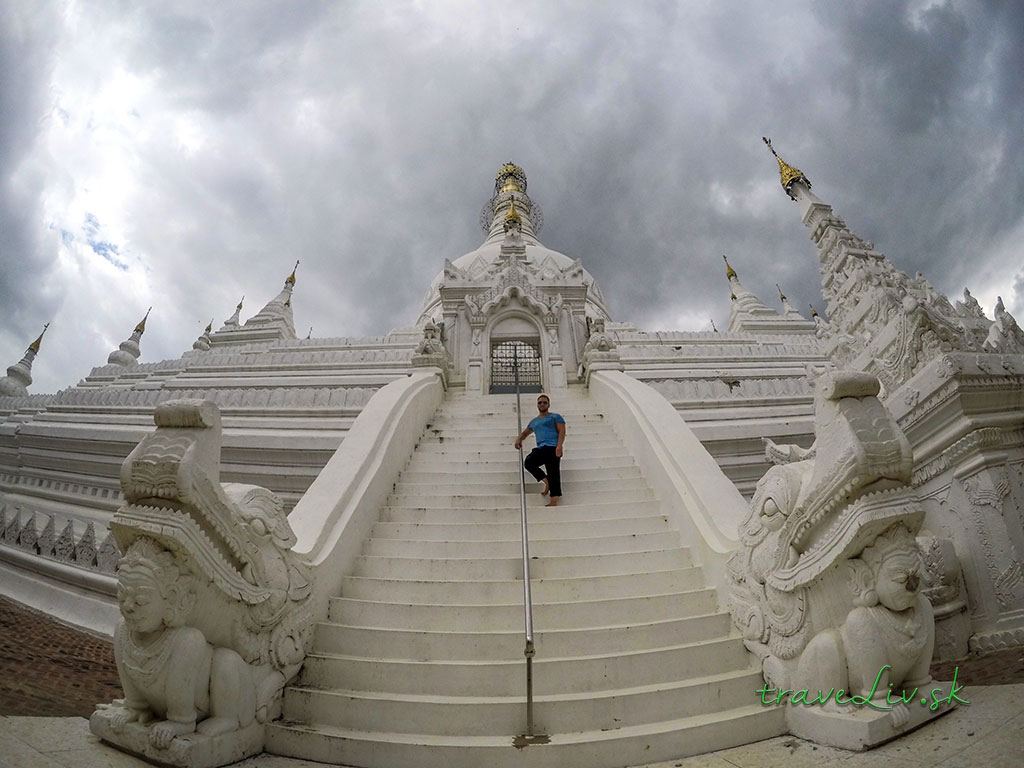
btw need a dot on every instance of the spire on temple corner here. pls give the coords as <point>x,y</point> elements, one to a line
<point>788,174</point>
<point>140,328</point>
<point>232,322</point>
<point>788,309</point>
<point>203,342</point>
<point>19,375</point>
<point>128,351</point>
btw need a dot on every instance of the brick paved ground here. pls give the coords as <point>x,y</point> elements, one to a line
<point>48,668</point>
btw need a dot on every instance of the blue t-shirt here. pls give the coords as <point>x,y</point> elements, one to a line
<point>545,430</point>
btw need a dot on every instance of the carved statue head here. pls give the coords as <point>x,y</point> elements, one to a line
<point>154,588</point>
<point>888,571</point>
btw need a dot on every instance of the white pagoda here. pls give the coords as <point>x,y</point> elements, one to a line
<point>328,529</point>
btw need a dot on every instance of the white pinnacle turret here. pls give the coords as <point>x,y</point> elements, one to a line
<point>232,322</point>
<point>19,375</point>
<point>128,351</point>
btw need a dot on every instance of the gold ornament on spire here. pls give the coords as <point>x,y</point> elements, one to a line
<point>34,346</point>
<point>782,296</point>
<point>730,273</point>
<point>512,217</point>
<point>788,175</point>
<point>238,306</point>
<point>814,312</point>
<point>290,280</point>
<point>510,178</point>
<point>141,327</point>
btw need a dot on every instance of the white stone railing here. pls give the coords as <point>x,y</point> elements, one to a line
<point>702,501</point>
<point>334,517</point>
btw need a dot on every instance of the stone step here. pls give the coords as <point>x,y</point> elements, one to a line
<point>503,442</point>
<point>456,452</point>
<point>540,529</point>
<point>504,677</point>
<point>566,511</point>
<point>480,428</point>
<point>476,715</point>
<point>504,548</point>
<point>510,463</point>
<point>653,742</point>
<point>574,566</point>
<point>493,645</point>
<point>509,616</point>
<point>479,591</point>
<point>498,501</point>
<point>511,475</point>
<point>455,483</point>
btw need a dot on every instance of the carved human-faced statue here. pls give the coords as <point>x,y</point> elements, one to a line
<point>897,581</point>
<point>895,562</point>
<point>142,605</point>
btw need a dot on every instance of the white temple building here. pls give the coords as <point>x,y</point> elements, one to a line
<point>331,526</point>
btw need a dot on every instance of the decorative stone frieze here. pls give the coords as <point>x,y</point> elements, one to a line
<point>213,601</point>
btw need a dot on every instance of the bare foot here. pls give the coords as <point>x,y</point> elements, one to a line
<point>544,490</point>
<point>552,502</point>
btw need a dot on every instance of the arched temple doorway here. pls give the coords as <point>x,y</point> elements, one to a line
<point>506,356</point>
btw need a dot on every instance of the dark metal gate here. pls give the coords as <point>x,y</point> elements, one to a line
<point>504,354</point>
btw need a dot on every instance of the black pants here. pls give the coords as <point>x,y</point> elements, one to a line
<point>544,455</point>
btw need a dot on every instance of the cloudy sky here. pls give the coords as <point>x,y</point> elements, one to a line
<point>183,154</point>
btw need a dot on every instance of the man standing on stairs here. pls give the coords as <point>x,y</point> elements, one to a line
<point>550,431</point>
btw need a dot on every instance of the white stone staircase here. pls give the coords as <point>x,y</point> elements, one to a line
<point>420,662</point>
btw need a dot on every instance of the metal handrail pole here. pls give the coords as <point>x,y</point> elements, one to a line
<point>527,595</point>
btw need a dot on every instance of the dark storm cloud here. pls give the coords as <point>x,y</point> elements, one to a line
<point>362,139</point>
<point>27,247</point>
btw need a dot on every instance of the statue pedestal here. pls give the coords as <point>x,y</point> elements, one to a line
<point>558,380</point>
<point>190,751</point>
<point>475,377</point>
<point>860,728</point>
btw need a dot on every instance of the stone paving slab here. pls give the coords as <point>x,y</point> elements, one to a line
<point>987,733</point>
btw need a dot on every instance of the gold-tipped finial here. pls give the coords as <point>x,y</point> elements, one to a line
<point>788,174</point>
<point>141,327</point>
<point>238,306</point>
<point>34,346</point>
<point>290,280</point>
<point>730,273</point>
<point>814,312</point>
<point>782,296</point>
<point>509,178</point>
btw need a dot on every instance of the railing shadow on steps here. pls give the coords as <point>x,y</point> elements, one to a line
<point>703,503</point>
<point>334,517</point>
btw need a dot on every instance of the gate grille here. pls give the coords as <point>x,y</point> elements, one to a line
<point>504,354</point>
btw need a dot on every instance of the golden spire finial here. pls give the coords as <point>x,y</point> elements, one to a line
<point>730,273</point>
<point>782,296</point>
<point>34,346</point>
<point>290,280</point>
<point>814,312</point>
<point>788,174</point>
<point>509,178</point>
<point>141,327</point>
<point>238,306</point>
